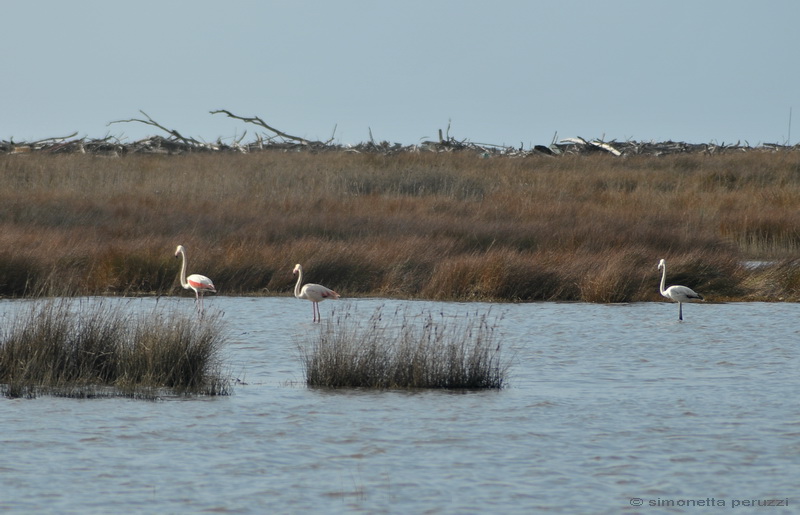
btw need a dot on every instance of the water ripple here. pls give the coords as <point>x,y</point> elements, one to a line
<point>604,403</point>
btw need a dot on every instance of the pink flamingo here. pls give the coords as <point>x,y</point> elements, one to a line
<point>316,293</point>
<point>199,283</point>
<point>677,293</point>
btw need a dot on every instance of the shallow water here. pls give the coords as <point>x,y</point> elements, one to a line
<point>607,406</point>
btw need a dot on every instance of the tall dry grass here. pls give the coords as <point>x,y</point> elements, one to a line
<point>403,350</point>
<point>89,348</point>
<point>441,226</point>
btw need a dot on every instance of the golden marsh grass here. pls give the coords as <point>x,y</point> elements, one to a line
<point>438,226</point>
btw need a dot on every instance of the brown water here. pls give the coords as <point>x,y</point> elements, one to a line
<point>607,406</point>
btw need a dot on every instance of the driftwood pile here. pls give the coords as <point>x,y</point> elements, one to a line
<point>276,140</point>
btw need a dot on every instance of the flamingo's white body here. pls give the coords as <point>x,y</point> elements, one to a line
<point>679,294</point>
<point>316,293</point>
<point>199,283</point>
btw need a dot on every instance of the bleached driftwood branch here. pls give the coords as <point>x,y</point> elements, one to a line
<point>261,123</point>
<point>171,132</point>
<point>60,139</point>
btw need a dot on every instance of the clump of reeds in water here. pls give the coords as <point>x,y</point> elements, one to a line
<point>401,351</point>
<point>89,348</point>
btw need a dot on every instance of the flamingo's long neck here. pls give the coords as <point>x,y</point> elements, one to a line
<point>299,280</point>
<point>184,283</point>
<point>663,280</point>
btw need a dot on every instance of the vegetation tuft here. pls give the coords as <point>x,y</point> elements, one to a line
<point>87,348</point>
<point>402,351</point>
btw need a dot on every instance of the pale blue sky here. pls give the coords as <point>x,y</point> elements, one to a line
<point>507,72</point>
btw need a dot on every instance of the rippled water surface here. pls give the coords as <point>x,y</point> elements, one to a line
<point>607,406</point>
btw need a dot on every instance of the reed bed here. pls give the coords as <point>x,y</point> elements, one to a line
<point>84,349</point>
<point>436,226</point>
<point>402,351</point>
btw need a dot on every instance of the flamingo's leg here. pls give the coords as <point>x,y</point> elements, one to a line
<point>198,301</point>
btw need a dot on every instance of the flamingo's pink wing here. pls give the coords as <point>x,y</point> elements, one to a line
<point>200,282</point>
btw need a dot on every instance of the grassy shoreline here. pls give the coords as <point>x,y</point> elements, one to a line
<point>433,226</point>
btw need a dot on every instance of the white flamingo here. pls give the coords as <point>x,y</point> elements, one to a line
<point>199,283</point>
<point>679,294</point>
<point>316,293</point>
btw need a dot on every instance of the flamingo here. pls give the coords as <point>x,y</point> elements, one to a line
<point>199,283</point>
<point>316,293</point>
<point>679,294</point>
